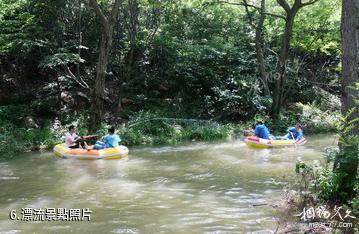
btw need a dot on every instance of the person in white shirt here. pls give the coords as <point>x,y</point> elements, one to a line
<point>72,140</point>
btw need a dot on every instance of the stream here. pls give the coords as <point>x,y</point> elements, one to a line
<point>215,187</point>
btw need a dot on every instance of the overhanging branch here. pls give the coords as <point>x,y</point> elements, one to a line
<point>284,4</point>
<point>99,13</point>
<point>115,10</point>
<point>309,2</point>
<point>248,5</point>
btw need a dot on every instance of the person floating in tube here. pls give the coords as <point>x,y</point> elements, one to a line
<point>294,133</point>
<point>73,141</point>
<point>261,130</point>
<point>111,140</point>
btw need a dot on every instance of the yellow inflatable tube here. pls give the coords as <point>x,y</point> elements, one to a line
<point>62,151</point>
<point>263,143</point>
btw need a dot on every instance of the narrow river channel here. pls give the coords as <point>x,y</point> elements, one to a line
<point>219,187</point>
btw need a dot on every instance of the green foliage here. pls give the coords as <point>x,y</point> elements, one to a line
<point>354,203</point>
<point>337,181</point>
<point>312,118</point>
<point>16,137</point>
<point>197,56</point>
<point>15,140</point>
<point>317,121</point>
<point>324,20</point>
<point>305,182</point>
<point>8,144</point>
<point>60,59</point>
<point>14,113</point>
<point>346,160</point>
<point>316,183</point>
<point>146,128</point>
<point>180,59</point>
<point>330,153</point>
<point>325,100</point>
<point>328,183</point>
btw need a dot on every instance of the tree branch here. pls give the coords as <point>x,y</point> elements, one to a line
<point>81,82</point>
<point>285,5</point>
<point>250,5</point>
<point>251,22</point>
<point>237,3</point>
<point>99,13</point>
<point>309,2</point>
<point>115,10</point>
<point>275,15</point>
<point>150,37</point>
<point>157,23</point>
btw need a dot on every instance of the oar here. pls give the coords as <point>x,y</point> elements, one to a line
<point>295,142</point>
<point>90,136</point>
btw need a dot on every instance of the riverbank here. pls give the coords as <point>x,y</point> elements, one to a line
<point>23,133</point>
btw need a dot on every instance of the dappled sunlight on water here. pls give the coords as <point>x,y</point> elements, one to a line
<point>221,187</point>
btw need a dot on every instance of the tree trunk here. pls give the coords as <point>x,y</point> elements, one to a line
<point>259,42</point>
<point>132,24</point>
<point>79,33</point>
<point>346,162</point>
<point>99,90</point>
<point>120,89</point>
<point>278,94</point>
<point>350,58</point>
<point>107,25</point>
<point>285,45</point>
<point>259,49</point>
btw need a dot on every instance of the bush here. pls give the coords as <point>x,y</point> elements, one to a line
<point>15,139</point>
<point>147,128</point>
<point>317,121</point>
<point>14,114</point>
<point>311,117</point>
<point>337,182</point>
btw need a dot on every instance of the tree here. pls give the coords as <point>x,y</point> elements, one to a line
<point>258,26</point>
<point>347,160</point>
<point>350,59</point>
<point>131,14</point>
<point>259,42</point>
<point>291,12</point>
<point>106,25</point>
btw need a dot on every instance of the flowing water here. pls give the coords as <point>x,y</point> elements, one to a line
<point>220,187</point>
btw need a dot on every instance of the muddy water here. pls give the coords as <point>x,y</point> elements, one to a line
<point>221,187</point>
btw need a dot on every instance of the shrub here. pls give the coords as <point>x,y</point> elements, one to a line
<point>317,121</point>
<point>312,118</point>
<point>147,128</point>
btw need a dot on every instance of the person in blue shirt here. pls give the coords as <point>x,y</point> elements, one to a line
<point>294,133</point>
<point>261,130</point>
<point>111,140</point>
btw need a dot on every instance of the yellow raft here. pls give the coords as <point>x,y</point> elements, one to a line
<point>263,143</point>
<point>62,151</point>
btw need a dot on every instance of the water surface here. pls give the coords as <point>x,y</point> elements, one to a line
<point>220,187</point>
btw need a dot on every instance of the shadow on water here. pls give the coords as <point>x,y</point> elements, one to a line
<point>221,187</point>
